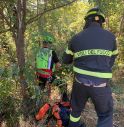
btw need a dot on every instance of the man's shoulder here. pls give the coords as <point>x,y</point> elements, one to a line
<point>76,36</point>
<point>109,33</point>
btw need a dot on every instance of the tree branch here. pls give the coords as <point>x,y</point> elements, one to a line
<point>7,22</point>
<point>42,13</point>
<point>5,18</point>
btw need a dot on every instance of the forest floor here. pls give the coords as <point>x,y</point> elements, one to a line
<point>89,114</point>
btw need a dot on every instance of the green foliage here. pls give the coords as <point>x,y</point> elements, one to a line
<point>63,23</point>
<point>8,109</point>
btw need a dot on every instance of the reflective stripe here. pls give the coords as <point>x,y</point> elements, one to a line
<point>50,60</point>
<point>91,73</point>
<point>73,119</point>
<point>115,52</point>
<point>95,12</point>
<point>77,80</point>
<point>93,52</point>
<point>69,52</point>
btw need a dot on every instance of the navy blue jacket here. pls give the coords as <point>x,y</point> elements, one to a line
<point>93,52</point>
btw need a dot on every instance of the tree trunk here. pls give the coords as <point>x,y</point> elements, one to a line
<point>18,34</point>
<point>19,40</point>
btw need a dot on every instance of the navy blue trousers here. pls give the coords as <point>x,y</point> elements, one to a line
<point>101,98</point>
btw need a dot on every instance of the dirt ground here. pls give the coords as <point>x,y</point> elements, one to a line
<point>89,114</point>
<point>90,118</point>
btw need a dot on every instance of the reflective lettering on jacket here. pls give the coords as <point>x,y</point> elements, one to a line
<point>100,52</point>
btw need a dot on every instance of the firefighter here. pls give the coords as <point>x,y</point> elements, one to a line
<point>46,61</point>
<point>92,52</point>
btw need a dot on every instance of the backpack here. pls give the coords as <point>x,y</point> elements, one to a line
<point>59,112</point>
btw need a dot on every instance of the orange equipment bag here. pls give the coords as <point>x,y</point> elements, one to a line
<point>55,112</point>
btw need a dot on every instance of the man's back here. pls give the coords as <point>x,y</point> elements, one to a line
<point>93,49</point>
<point>92,53</point>
<point>94,37</point>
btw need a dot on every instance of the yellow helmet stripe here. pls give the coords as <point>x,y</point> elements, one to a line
<point>95,12</point>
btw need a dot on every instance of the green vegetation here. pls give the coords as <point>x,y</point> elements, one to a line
<point>20,37</point>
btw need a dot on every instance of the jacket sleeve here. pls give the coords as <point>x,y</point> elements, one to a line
<point>114,54</point>
<point>68,54</point>
<point>55,57</point>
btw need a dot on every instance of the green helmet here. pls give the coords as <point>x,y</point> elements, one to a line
<point>95,13</point>
<point>48,38</point>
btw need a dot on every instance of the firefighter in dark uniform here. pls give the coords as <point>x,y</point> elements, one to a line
<point>93,52</point>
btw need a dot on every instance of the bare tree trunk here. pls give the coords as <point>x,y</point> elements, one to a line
<point>18,35</point>
<point>19,40</point>
<point>121,25</point>
<point>107,23</point>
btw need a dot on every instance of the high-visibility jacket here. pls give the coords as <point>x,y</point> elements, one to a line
<point>92,52</point>
<point>45,62</point>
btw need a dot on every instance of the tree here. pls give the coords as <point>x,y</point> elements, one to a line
<point>14,17</point>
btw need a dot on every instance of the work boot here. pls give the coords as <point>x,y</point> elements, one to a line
<point>76,124</point>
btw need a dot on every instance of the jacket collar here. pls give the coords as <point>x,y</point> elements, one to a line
<point>94,24</point>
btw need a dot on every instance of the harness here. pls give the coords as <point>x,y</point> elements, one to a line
<point>60,111</point>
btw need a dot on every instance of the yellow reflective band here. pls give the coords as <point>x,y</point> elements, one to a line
<point>95,12</point>
<point>91,73</point>
<point>69,52</point>
<point>115,52</point>
<point>73,119</point>
<point>100,52</point>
